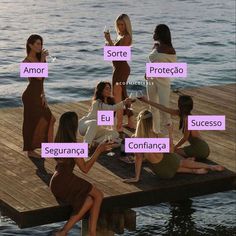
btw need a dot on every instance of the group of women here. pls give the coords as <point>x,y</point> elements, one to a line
<point>154,122</point>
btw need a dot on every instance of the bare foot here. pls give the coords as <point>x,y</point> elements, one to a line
<point>217,168</point>
<point>201,171</point>
<point>33,154</point>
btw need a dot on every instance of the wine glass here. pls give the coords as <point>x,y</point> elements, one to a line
<point>139,94</point>
<point>52,59</point>
<point>133,99</point>
<point>109,140</point>
<point>107,30</point>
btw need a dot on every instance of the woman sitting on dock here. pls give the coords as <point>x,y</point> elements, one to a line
<point>70,188</point>
<point>198,147</point>
<point>102,100</point>
<point>164,165</point>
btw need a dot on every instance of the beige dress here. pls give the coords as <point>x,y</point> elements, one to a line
<point>158,90</point>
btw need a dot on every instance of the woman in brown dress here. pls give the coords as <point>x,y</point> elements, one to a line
<point>70,188</point>
<point>121,69</point>
<point>38,120</point>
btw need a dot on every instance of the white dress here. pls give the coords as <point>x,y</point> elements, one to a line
<point>88,124</point>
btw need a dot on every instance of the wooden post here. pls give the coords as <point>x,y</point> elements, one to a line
<point>111,222</point>
<point>130,219</point>
<point>117,221</point>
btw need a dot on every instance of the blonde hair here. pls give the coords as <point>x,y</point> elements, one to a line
<point>144,124</point>
<point>127,22</point>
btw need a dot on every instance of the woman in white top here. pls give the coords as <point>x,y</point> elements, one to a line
<point>158,89</point>
<point>102,100</point>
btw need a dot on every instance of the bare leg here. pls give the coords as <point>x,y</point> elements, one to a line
<point>51,129</point>
<point>97,196</point>
<point>199,165</point>
<point>117,92</point>
<point>37,137</point>
<point>75,218</point>
<point>192,171</point>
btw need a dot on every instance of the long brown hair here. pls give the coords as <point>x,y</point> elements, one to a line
<point>163,35</point>
<point>98,93</point>
<point>185,105</point>
<point>31,40</point>
<point>67,130</point>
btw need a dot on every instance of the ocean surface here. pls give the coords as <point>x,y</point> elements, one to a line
<point>203,35</point>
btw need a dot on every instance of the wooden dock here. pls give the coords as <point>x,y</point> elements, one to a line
<point>25,195</point>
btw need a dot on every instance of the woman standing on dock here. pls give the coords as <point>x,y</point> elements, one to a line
<point>70,188</point>
<point>38,120</point>
<point>121,69</point>
<point>159,88</point>
<point>198,147</point>
<point>164,165</point>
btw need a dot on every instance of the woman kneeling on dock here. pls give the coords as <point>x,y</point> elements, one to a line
<point>198,147</point>
<point>68,187</point>
<point>102,100</point>
<point>164,165</point>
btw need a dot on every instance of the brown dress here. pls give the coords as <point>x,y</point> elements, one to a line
<point>121,72</point>
<point>68,187</point>
<point>37,116</point>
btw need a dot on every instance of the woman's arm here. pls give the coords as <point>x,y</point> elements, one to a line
<point>138,167</point>
<point>125,41</point>
<point>161,107</point>
<point>185,136</point>
<point>85,166</point>
<point>117,106</point>
<point>108,39</point>
<point>170,130</point>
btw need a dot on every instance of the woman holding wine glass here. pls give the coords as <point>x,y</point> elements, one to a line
<point>102,100</point>
<point>38,120</point>
<point>121,69</point>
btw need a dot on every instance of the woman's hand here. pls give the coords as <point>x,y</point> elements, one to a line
<point>128,101</point>
<point>44,54</point>
<point>145,76</point>
<point>143,99</point>
<point>107,36</point>
<point>131,180</point>
<point>104,147</point>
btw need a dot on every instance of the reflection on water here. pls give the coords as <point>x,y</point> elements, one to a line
<point>192,217</point>
<point>181,221</point>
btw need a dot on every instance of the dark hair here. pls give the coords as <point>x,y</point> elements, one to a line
<point>99,91</point>
<point>185,105</point>
<point>67,130</point>
<point>162,34</point>
<point>31,40</point>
